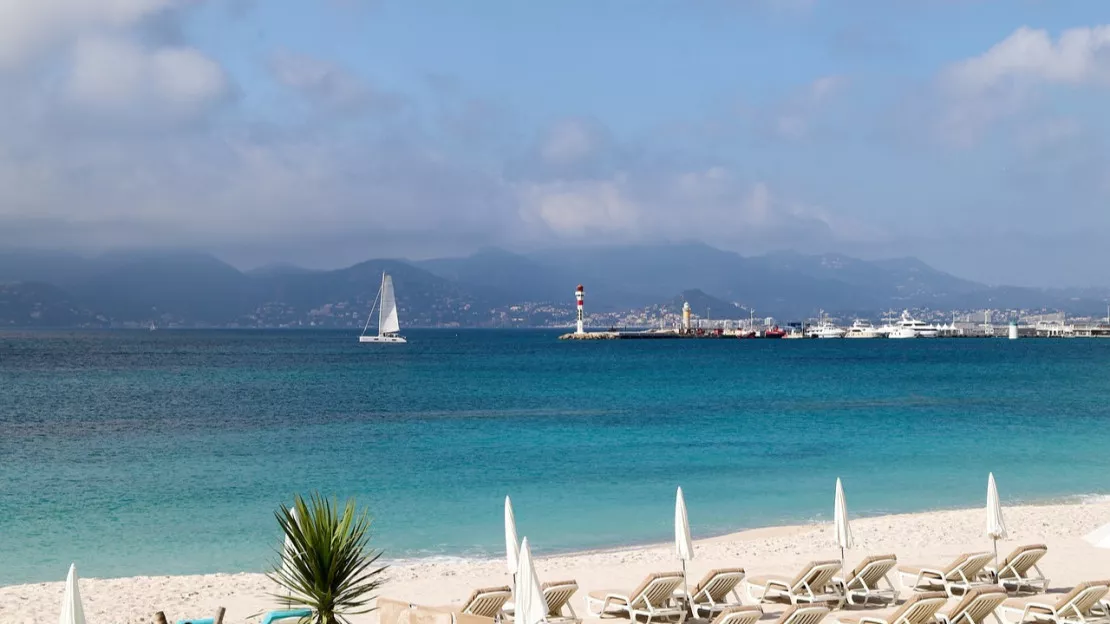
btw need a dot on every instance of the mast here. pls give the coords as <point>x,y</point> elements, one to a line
<point>381,308</point>
<point>371,315</point>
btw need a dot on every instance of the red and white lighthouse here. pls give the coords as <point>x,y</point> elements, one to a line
<point>580,296</point>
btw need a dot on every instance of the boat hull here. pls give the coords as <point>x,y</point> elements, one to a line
<point>383,339</point>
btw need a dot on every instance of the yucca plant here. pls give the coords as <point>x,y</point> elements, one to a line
<point>326,563</point>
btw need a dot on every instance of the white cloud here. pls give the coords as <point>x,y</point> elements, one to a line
<point>1078,56</point>
<point>576,208</point>
<point>321,81</point>
<point>118,76</point>
<point>568,141</point>
<point>710,204</point>
<point>32,27</point>
<point>1007,80</point>
<point>796,115</point>
<point>826,86</point>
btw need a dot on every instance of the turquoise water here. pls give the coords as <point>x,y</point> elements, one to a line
<point>167,452</point>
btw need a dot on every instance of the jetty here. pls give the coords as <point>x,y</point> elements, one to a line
<point>648,334</point>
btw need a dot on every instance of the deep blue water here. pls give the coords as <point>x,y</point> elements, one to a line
<point>167,452</point>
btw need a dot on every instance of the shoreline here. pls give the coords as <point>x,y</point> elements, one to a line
<point>933,536</point>
<point>1072,500</point>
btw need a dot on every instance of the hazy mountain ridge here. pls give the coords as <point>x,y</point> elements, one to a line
<point>487,288</point>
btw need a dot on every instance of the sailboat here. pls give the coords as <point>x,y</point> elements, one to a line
<point>388,325</point>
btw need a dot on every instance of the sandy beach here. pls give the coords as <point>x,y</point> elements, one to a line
<point>922,538</point>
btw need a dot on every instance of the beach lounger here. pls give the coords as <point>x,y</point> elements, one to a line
<point>654,599</point>
<point>1019,572</point>
<point>269,618</point>
<point>921,608</point>
<point>557,595</point>
<point>813,584</point>
<point>486,602</point>
<point>711,594</point>
<point>403,612</point>
<point>1082,604</point>
<point>866,582</point>
<point>803,614</point>
<point>739,615</point>
<point>808,614</point>
<point>976,605</point>
<point>962,574</point>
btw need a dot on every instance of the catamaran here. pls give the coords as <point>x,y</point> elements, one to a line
<point>388,325</point>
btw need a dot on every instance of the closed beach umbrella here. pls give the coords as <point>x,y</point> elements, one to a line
<point>844,537</point>
<point>72,613</point>
<point>1100,537</point>
<point>683,545</point>
<point>996,527</point>
<point>530,607</point>
<point>512,552</point>
<point>288,553</point>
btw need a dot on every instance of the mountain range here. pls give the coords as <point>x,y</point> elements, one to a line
<point>491,287</point>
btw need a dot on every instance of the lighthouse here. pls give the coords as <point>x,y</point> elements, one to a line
<point>686,316</point>
<point>580,296</point>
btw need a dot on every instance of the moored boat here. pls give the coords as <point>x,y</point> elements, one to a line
<point>775,332</point>
<point>862,329</point>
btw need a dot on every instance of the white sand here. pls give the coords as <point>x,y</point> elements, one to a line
<point>923,538</point>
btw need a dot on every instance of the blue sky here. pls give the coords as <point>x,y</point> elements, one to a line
<point>966,132</point>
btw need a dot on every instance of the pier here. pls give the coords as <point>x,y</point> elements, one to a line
<point>648,334</point>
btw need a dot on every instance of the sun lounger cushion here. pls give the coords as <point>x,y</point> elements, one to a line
<point>739,615</point>
<point>1091,600</point>
<point>910,607</point>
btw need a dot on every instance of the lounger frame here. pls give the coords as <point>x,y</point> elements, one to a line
<point>963,574</point>
<point>1013,573</point>
<point>867,583</point>
<point>918,609</point>
<point>975,606</point>
<point>654,599</point>
<point>557,594</point>
<point>813,585</point>
<point>712,592</point>
<point>1086,606</point>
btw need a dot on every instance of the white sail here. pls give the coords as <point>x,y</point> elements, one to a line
<point>387,314</point>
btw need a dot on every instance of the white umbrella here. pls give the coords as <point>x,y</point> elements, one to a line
<point>1100,537</point>
<point>72,613</point>
<point>683,545</point>
<point>844,537</point>
<point>530,607</point>
<point>512,547</point>
<point>289,554</point>
<point>996,527</point>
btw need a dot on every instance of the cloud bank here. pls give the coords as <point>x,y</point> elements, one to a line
<point>121,131</point>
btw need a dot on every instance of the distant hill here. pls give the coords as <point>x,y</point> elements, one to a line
<point>34,304</point>
<point>505,276</point>
<point>277,269</point>
<point>702,305</point>
<point>492,287</point>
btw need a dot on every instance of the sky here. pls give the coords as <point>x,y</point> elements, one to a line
<point>969,133</point>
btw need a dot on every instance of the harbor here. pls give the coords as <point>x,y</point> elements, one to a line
<point>902,326</point>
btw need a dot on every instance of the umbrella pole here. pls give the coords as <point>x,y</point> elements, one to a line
<point>686,586</point>
<point>996,570</point>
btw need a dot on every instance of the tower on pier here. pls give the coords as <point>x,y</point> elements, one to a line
<point>580,295</point>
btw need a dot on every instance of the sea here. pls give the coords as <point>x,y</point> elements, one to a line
<point>168,452</point>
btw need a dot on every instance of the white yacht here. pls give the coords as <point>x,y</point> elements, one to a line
<point>824,329</point>
<point>794,333</point>
<point>909,327</point>
<point>388,325</point>
<point>862,329</point>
